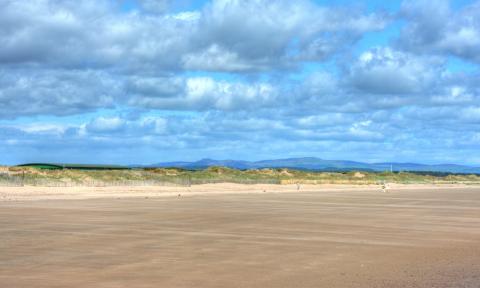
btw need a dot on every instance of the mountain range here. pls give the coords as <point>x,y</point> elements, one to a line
<point>317,164</point>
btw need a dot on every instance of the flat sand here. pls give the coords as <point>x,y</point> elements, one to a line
<point>240,236</point>
<point>32,193</point>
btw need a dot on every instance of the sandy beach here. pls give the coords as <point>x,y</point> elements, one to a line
<point>227,235</point>
<point>32,193</point>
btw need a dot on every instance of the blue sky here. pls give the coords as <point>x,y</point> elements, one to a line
<point>148,81</point>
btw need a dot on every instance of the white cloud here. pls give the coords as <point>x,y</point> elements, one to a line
<point>105,124</point>
<point>55,92</point>
<point>439,29</point>
<point>204,93</point>
<point>386,71</point>
<point>225,35</point>
<point>455,95</point>
<point>215,58</point>
<point>234,75</point>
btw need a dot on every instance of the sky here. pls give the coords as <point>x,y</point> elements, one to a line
<point>149,81</point>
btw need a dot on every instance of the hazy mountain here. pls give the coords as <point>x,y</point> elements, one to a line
<point>312,163</point>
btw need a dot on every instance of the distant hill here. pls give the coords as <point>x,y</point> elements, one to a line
<point>317,164</point>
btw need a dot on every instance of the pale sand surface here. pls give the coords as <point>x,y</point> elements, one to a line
<point>239,236</point>
<point>50,193</point>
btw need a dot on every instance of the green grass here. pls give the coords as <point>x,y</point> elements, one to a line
<point>172,176</point>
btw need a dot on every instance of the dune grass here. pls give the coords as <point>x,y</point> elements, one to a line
<point>181,177</point>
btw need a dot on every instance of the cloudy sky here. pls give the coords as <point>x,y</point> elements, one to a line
<point>147,81</point>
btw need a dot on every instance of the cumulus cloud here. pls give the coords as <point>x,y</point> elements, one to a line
<point>88,55</point>
<point>105,124</point>
<point>386,71</point>
<point>215,58</point>
<point>384,78</point>
<point>413,128</point>
<point>454,95</point>
<point>437,28</point>
<point>58,32</point>
<point>158,87</point>
<point>53,92</point>
<point>224,34</point>
<point>204,93</point>
<point>282,32</point>
<point>234,75</point>
<point>92,34</point>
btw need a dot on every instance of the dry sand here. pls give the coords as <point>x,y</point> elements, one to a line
<point>228,235</point>
<point>29,193</point>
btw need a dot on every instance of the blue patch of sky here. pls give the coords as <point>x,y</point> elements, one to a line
<point>458,4</point>
<point>187,5</point>
<point>309,68</point>
<point>380,38</point>
<point>455,64</point>
<point>391,6</point>
<point>370,5</point>
<point>128,5</point>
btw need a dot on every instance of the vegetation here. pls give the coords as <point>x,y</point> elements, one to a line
<point>18,176</point>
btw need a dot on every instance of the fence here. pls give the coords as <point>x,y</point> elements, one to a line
<point>10,180</point>
<point>17,180</point>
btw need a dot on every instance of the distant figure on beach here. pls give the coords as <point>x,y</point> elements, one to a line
<point>384,187</point>
<point>298,186</point>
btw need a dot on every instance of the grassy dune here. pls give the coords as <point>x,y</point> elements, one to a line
<point>171,176</point>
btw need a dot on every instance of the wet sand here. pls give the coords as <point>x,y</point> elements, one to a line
<point>316,237</point>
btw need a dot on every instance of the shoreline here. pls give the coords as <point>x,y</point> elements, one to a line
<point>36,193</point>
